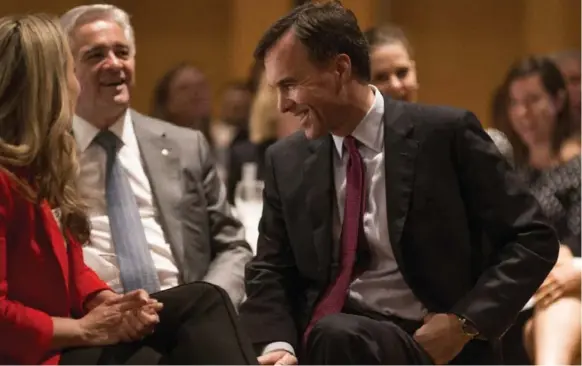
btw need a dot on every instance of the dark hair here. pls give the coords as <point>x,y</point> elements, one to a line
<point>554,84</point>
<point>388,34</point>
<point>162,91</point>
<point>326,30</point>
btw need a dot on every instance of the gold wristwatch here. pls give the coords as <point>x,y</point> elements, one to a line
<point>468,328</point>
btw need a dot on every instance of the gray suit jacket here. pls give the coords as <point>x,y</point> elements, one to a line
<point>208,243</point>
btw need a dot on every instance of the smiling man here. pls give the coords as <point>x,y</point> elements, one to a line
<point>371,247</point>
<point>158,210</point>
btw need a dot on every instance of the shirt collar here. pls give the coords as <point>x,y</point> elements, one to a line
<point>370,131</point>
<point>85,132</point>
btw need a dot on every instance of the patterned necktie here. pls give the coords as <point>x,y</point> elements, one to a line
<point>136,267</point>
<point>334,298</point>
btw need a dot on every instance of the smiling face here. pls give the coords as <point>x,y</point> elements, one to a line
<point>105,67</point>
<point>309,91</point>
<point>393,71</point>
<point>532,110</point>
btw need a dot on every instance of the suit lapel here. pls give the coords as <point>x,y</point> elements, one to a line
<point>319,184</point>
<point>161,159</point>
<point>400,150</point>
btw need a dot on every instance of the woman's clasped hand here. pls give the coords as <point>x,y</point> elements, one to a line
<point>121,318</point>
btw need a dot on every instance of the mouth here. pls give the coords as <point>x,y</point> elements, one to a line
<point>301,115</point>
<point>113,83</point>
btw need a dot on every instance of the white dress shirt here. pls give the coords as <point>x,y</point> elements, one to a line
<point>100,253</point>
<point>381,287</point>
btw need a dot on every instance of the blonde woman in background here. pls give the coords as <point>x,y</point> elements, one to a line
<point>266,125</point>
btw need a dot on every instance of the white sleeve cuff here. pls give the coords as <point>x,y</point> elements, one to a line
<point>278,346</point>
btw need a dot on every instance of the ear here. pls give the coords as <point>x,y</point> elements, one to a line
<point>343,68</point>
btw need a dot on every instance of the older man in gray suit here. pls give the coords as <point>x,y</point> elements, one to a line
<point>158,210</point>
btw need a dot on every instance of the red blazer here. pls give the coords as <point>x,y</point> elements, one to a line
<point>40,277</point>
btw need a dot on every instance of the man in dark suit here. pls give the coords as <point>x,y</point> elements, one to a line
<point>371,245</point>
<point>159,216</point>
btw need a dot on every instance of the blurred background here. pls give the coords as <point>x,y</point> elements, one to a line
<point>463,48</point>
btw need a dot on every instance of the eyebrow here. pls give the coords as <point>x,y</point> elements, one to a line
<point>284,81</point>
<point>101,46</point>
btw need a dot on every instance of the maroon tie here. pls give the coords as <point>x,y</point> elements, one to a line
<point>333,300</point>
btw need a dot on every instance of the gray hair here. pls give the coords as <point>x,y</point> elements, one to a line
<point>84,14</point>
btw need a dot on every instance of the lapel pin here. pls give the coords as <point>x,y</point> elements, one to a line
<point>165,152</point>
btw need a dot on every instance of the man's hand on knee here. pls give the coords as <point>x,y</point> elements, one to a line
<point>442,337</point>
<point>278,357</point>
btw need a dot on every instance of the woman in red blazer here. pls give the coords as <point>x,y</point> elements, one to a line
<point>53,308</point>
<point>44,282</point>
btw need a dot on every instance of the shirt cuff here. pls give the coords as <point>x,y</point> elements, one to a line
<point>278,346</point>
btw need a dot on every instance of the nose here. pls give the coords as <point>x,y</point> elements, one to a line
<point>395,82</point>
<point>112,61</point>
<point>519,109</point>
<point>284,103</point>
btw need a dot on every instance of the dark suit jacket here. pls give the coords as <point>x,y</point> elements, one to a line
<point>447,187</point>
<point>40,277</point>
<point>207,242</point>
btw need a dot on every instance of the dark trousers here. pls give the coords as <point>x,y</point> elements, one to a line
<point>198,325</point>
<point>349,339</point>
<point>358,336</point>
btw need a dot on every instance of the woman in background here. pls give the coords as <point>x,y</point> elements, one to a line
<point>392,63</point>
<point>266,125</point>
<point>182,96</point>
<point>539,129</point>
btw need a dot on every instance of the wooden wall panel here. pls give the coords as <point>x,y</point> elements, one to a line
<point>55,7</point>
<point>549,26</point>
<point>193,31</point>
<point>364,11</point>
<point>249,20</point>
<point>463,47</point>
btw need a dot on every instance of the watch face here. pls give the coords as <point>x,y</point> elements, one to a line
<point>470,330</point>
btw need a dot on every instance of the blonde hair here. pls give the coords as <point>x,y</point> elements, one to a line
<point>35,116</point>
<point>264,114</point>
